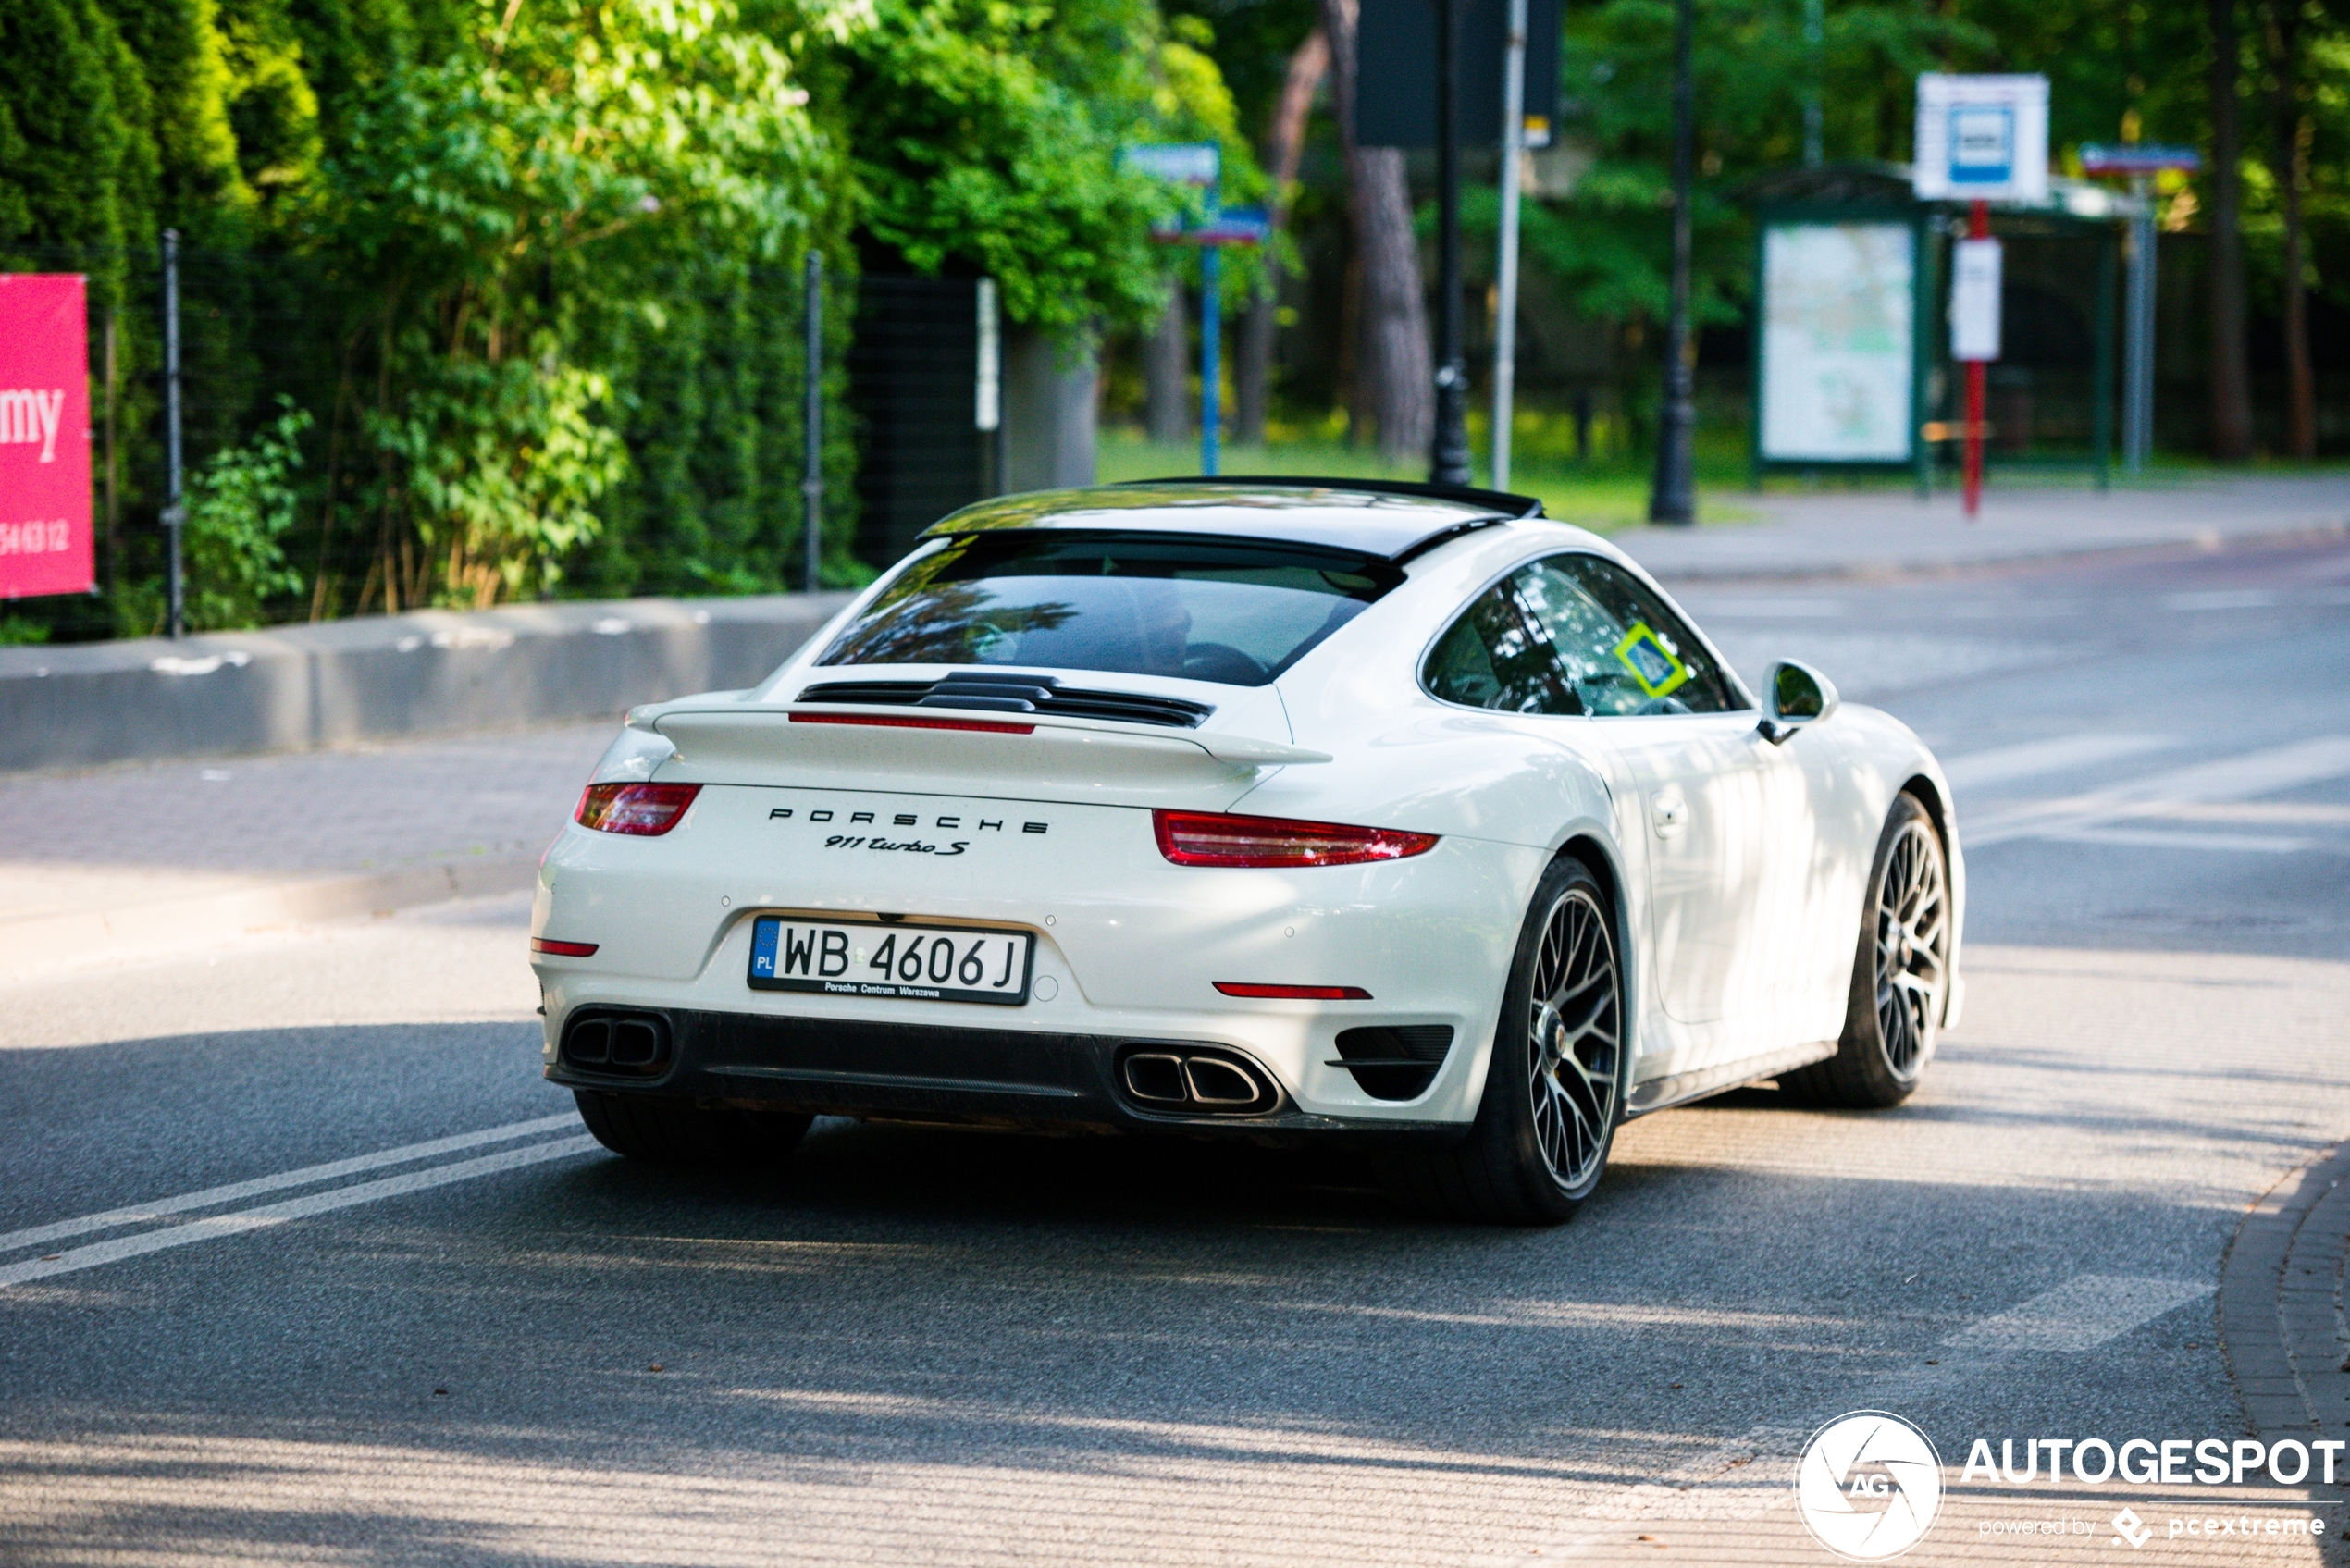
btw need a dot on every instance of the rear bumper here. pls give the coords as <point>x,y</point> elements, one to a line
<point>944,1073</point>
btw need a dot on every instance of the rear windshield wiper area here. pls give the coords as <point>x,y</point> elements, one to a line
<point>987,691</point>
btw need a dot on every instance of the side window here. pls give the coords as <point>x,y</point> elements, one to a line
<point>1494,657</point>
<point>1621,648</point>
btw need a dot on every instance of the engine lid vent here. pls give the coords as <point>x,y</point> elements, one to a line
<point>992,693</point>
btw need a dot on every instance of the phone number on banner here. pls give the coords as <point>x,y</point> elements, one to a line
<point>33,538</point>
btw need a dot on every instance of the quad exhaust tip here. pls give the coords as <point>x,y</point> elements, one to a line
<point>635,1044</point>
<point>1197,1082</point>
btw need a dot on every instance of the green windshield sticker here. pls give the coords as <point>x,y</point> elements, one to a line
<point>1651,664</point>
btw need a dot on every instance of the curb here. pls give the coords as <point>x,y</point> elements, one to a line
<point>49,946</point>
<point>2282,1326</point>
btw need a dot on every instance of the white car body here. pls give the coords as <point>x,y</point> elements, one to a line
<point>1739,869</point>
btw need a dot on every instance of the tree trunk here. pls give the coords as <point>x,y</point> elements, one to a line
<point>1166,382</point>
<point>2231,367</point>
<point>1284,145</point>
<point>2290,157</point>
<point>1394,381</point>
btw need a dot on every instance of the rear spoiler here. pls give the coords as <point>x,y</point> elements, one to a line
<point>981,727</point>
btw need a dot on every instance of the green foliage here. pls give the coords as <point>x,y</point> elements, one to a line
<point>76,165</point>
<point>969,144</point>
<point>502,462</point>
<point>241,507</point>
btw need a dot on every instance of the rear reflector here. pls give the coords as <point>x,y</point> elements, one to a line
<point>890,721</point>
<point>1207,838</point>
<point>645,810</point>
<point>1294,993</point>
<point>563,949</point>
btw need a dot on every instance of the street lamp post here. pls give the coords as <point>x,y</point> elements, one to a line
<point>1673,500</point>
<point>1448,459</point>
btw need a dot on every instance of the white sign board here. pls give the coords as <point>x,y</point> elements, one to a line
<point>1178,163</point>
<point>1982,138</point>
<point>1838,340</point>
<point>1974,299</point>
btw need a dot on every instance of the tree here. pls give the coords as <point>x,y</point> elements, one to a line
<point>1394,389</point>
<point>2291,132</point>
<point>2231,363</point>
<point>1285,149</point>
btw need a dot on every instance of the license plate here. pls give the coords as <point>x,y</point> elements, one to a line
<point>909,962</point>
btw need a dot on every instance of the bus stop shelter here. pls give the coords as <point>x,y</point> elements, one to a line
<point>1851,355</point>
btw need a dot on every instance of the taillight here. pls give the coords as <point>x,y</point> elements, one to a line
<point>645,810</point>
<point>1209,838</point>
<point>563,949</point>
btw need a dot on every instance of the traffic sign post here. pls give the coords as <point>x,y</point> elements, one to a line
<point>1980,139</point>
<point>1974,331</point>
<point>1200,165</point>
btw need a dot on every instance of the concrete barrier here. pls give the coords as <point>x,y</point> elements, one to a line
<point>291,688</point>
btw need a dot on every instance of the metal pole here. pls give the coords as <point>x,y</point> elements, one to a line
<point>987,414</point>
<point>2137,395</point>
<point>811,482</point>
<point>1815,34</point>
<point>1978,227</point>
<point>1673,498</point>
<point>1448,456</point>
<point>1505,279</point>
<point>174,514</point>
<point>1211,359</point>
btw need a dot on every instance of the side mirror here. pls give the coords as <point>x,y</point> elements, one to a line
<point>1794,695</point>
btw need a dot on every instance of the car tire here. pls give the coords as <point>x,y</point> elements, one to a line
<point>666,1131</point>
<point>1554,1088</point>
<point>1900,973</point>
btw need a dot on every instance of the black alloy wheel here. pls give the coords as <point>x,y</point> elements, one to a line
<point>1900,974</point>
<point>1554,1089</point>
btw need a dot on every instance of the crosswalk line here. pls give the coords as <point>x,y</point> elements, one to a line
<point>162,1208</point>
<point>214,1227</point>
<point>2242,777</point>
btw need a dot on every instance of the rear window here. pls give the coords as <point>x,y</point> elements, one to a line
<point>1229,610</point>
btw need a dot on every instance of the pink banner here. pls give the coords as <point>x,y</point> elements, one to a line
<point>44,437</point>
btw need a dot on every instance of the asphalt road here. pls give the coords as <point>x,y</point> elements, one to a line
<point>932,1347</point>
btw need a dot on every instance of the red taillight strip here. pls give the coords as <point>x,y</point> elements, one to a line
<point>881,720</point>
<point>563,949</point>
<point>1210,838</point>
<point>1294,993</point>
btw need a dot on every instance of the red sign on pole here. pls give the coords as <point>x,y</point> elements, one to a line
<point>44,437</point>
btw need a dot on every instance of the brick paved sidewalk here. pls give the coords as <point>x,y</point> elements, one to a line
<point>170,852</point>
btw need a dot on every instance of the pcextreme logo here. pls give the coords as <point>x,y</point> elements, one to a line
<point>1868,1486</point>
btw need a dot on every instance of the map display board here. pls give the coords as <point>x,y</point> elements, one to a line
<point>1838,336</point>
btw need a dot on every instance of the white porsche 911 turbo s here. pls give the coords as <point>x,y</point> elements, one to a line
<point>1287,808</point>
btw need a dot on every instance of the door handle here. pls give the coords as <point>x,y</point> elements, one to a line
<point>1668,812</point>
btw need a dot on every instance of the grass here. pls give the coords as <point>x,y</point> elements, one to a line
<point>1604,492</point>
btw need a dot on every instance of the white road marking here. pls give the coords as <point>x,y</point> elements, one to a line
<point>2033,758</point>
<point>1767,609</point>
<point>2230,778</point>
<point>163,1207</point>
<point>214,1227</point>
<point>2080,1315</point>
<point>2239,843</point>
<point>2221,598</point>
